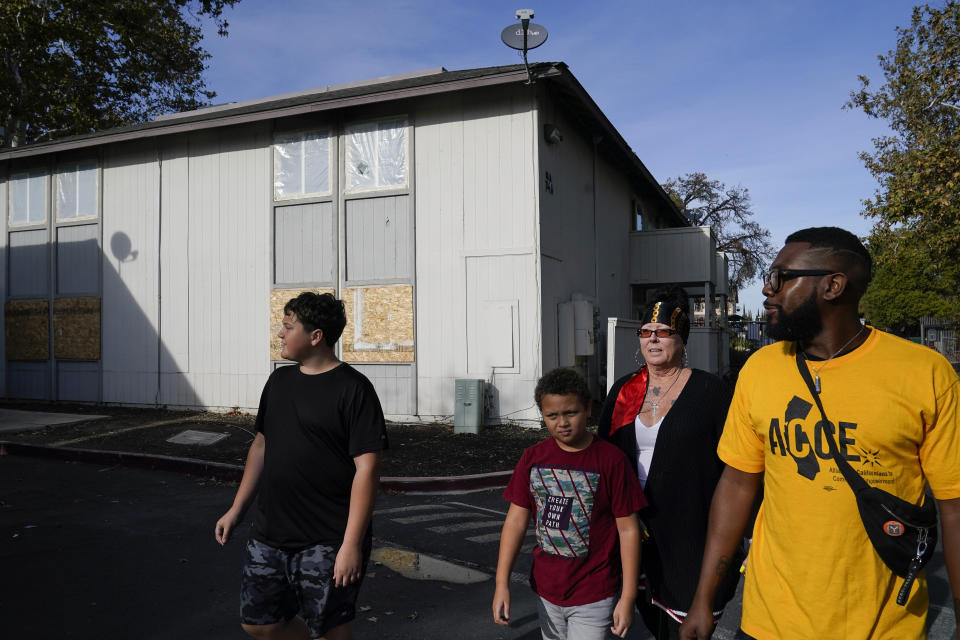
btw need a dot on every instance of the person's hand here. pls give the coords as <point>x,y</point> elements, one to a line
<point>698,624</point>
<point>225,526</point>
<point>501,605</point>
<point>347,566</point>
<point>622,617</point>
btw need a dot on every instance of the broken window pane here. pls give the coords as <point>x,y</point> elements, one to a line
<point>376,155</point>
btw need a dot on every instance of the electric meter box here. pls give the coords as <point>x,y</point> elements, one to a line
<point>468,411</point>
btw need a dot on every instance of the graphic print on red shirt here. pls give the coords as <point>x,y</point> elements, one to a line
<point>565,499</point>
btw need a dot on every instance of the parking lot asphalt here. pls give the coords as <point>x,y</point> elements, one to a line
<point>103,552</point>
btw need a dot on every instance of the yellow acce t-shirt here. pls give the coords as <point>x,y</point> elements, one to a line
<point>812,572</point>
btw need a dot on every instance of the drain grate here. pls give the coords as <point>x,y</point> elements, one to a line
<point>192,436</point>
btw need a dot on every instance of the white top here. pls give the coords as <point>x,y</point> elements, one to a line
<point>646,441</point>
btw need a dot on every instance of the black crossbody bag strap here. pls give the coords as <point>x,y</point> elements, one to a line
<point>853,478</point>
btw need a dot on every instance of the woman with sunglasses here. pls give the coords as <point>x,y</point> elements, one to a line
<point>668,418</point>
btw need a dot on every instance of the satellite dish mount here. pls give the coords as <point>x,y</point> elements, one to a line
<point>524,36</point>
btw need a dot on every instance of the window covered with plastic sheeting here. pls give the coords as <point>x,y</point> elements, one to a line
<point>376,155</point>
<point>28,198</point>
<point>77,191</point>
<point>301,165</point>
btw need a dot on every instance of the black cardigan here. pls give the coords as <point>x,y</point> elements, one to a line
<point>680,482</point>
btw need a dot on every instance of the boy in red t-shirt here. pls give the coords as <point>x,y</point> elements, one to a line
<point>585,499</point>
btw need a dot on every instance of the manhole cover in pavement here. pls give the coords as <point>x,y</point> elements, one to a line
<point>191,436</point>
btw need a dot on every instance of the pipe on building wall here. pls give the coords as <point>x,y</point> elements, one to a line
<point>159,273</point>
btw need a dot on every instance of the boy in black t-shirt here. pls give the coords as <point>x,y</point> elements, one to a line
<point>317,483</point>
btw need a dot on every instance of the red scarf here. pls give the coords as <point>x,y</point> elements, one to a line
<point>629,400</point>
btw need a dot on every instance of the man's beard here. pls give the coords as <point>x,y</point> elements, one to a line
<point>802,324</point>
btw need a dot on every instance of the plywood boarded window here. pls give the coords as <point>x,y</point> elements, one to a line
<point>76,328</point>
<point>27,324</point>
<point>278,300</point>
<point>28,198</point>
<point>77,191</point>
<point>379,324</point>
<point>301,165</point>
<point>376,155</point>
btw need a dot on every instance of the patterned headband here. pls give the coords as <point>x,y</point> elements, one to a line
<point>678,320</point>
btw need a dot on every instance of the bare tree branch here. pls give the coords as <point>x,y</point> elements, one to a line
<point>727,210</point>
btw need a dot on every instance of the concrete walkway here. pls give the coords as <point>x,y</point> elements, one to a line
<point>16,420</point>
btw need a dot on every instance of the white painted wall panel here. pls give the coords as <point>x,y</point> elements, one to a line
<point>378,238</point>
<point>130,269</point>
<point>673,255</point>
<point>441,269</point>
<point>584,234</point>
<point>229,259</point>
<point>28,380</point>
<point>78,381</point>
<point>29,263</point>
<point>395,386</point>
<point>78,260</point>
<point>475,181</point>
<point>498,171</point>
<point>3,279</point>
<point>174,253</point>
<point>305,244</point>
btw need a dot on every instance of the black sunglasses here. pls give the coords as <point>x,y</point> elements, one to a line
<point>776,277</point>
<point>661,333</point>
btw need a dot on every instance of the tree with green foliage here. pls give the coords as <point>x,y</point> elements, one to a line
<point>77,66</point>
<point>915,240</point>
<point>728,211</point>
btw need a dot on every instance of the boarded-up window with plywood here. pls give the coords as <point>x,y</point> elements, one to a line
<point>278,300</point>
<point>27,329</point>
<point>301,165</point>
<point>76,328</point>
<point>379,324</point>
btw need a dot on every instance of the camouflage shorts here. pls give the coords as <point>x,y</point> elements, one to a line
<point>278,585</point>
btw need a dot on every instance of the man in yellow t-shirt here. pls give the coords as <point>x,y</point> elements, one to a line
<point>813,573</point>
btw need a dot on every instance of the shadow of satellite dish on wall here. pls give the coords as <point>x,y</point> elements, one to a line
<point>121,247</point>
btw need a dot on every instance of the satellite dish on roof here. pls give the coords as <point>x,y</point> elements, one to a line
<point>524,36</point>
<point>512,36</point>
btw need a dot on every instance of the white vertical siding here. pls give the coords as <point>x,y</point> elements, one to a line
<point>304,244</point>
<point>3,277</point>
<point>29,263</point>
<point>174,252</point>
<point>229,263</point>
<point>78,260</point>
<point>584,232</point>
<point>475,201</point>
<point>129,306</point>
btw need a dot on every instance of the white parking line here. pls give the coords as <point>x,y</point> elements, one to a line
<point>470,506</point>
<point>489,537</point>
<point>465,526</point>
<point>431,517</point>
<point>416,507</point>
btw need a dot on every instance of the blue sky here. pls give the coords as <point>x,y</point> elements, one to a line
<point>751,93</point>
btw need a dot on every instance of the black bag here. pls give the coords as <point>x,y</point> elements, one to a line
<point>903,534</point>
